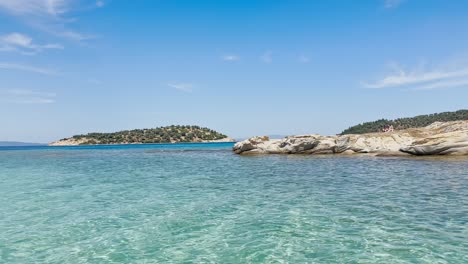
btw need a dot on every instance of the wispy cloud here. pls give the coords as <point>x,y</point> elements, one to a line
<point>392,3</point>
<point>35,7</point>
<point>231,57</point>
<point>423,79</point>
<point>24,44</point>
<point>99,3</point>
<point>47,15</point>
<point>444,84</point>
<point>267,57</point>
<point>94,81</point>
<point>72,35</point>
<point>304,59</point>
<point>184,87</point>
<point>20,96</point>
<point>27,68</point>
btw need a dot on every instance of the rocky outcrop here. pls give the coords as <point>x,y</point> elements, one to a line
<point>439,138</point>
<point>69,142</point>
<point>223,140</point>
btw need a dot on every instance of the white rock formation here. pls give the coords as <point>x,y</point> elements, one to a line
<point>439,138</point>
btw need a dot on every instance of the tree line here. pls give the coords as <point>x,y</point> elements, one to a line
<point>168,134</point>
<point>408,122</point>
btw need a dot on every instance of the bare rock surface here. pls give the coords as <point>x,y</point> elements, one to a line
<point>439,138</point>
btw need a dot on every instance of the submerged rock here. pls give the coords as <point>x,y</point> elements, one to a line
<point>439,138</point>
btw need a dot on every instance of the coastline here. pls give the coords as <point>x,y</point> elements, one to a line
<point>60,144</point>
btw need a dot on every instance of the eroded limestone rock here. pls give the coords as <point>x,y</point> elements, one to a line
<point>439,138</point>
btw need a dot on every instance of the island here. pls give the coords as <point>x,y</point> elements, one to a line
<point>389,138</point>
<point>166,134</point>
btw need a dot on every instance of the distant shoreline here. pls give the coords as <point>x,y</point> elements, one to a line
<point>135,144</point>
<point>20,144</point>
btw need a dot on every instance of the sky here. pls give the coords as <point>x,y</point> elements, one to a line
<point>244,67</point>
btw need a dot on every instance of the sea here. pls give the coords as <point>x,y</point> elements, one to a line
<point>200,203</point>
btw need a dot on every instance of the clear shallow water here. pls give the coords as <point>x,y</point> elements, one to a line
<point>197,203</point>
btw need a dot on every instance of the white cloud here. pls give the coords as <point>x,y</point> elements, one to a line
<point>73,35</point>
<point>304,59</point>
<point>267,57</point>
<point>231,57</point>
<point>392,3</point>
<point>21,67</point>
<point>444,84</point>
<point>27,97</point>
<point>423,79</point>
<point>185,87</point>
<point>23,44</point>
<point>47,15</point>
<point>94,81</point>
<point>17,39</point>
<point>35,7</point>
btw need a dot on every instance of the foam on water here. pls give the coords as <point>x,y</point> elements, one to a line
<point>203,204</point>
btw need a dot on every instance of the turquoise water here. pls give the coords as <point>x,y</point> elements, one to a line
<point>199,203</point>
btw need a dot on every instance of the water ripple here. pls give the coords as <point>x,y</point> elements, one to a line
<point>143,205</point>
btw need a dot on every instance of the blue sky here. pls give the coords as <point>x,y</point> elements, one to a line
<point>241,67</point>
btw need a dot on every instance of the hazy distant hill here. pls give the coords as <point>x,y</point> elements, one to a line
<point>168,134</point>
<point>17,144</point>
<point>408,122</point>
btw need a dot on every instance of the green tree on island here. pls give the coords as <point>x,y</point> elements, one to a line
<point>168,134</point>
<point>408,122</point>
